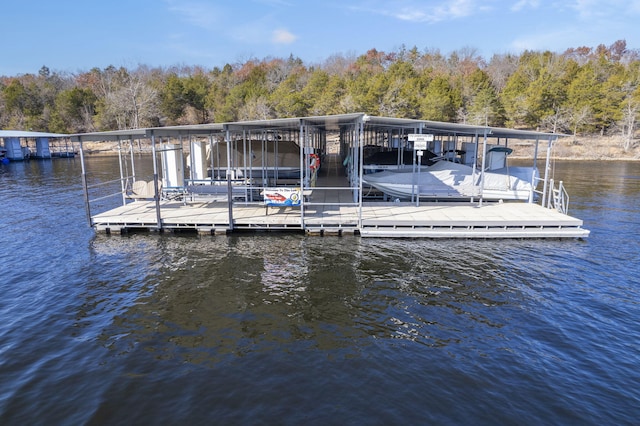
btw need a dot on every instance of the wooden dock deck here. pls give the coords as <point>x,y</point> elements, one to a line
<point>377,219</point>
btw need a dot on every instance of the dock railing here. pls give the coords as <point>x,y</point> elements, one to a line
<point>104,194</point>
<point>218,190</point>
<point>96,194</point>
<point>335,202</point>
<point>553,197</point>
<point>559,197</point>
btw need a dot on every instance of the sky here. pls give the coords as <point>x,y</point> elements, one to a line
<point>77,35</point>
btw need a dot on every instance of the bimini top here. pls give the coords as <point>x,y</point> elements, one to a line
<point>323,123</point>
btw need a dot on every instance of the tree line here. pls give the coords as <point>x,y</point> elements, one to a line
<point>583,90</point>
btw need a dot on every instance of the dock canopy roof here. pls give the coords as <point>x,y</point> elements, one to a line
<point>25,134</point>
<point>324,123</point>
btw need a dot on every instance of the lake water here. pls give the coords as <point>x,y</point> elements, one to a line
<point>289,329</point>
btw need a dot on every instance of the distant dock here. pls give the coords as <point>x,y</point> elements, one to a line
<point>19,145</point>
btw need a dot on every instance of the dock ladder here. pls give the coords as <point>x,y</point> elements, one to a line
<point>554,198</point>
<point>559,197</point>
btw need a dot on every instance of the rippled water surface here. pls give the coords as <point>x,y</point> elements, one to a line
<point>288,329</point>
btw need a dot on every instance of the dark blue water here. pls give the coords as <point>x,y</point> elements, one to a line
<point>289,329</point>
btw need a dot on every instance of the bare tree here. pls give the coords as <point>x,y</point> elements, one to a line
<point>580,117</point>
<point>559,121</point>
<point>277,72</point>
<point>462,115</point>
<point>347,104</point>
<point>432,59</point>
<point>500,68</point>
<point>629,122</point>
<point>256,109</point>
<point>339,64</point>
<point>132,102</point>
<point>463,62</point>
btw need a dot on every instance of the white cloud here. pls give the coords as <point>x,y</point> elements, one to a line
<point>539,41</point>
<point>200,14</point>
<point>417,11</point>
<point>282,36</point>
<point>559,39</point>
<point>458,8</point>
<point>444,11</point>
<point>588,8</point>
<point>275,3</point>
<point>521,4</point>
<point>598,9</point>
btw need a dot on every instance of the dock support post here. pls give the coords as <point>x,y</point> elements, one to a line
<point>533,172</point>
<point>546,196</point>
<point>155,182</point>
<point>123,184</point>
<point>484,162</point>
<point>304,167</point>
<point>228,173</point>
<point>85,188</point>
<point>358,163</point>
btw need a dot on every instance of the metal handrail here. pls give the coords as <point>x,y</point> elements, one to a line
<point>555,198</point>
<point>536,181</point>
<point>560,198</point>
<point>99,184</point>
<point>93,200</point>
<point>105,183</point>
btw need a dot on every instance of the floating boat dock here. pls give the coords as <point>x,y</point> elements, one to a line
<point>331,202</point>
<point>18,145</point>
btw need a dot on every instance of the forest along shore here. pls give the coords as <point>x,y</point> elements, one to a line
<point>580,148</point>
<point>567,148</point>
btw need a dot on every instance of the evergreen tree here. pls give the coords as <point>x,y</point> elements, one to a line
<point>172,99</point>
<point>441,100</point>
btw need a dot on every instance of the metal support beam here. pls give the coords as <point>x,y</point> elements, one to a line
<point>85,188</point>
<point>228,173</point>
<point>156,188</point>
<point>123,184</point>
<point>484,162</point>
<point>304,167</point>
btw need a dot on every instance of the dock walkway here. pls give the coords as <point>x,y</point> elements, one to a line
<point>433,220</point>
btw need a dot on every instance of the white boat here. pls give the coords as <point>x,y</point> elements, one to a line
<point>449,180</point>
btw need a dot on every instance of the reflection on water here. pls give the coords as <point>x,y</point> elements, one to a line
<point>284,328</point>
<point>234,295</point>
